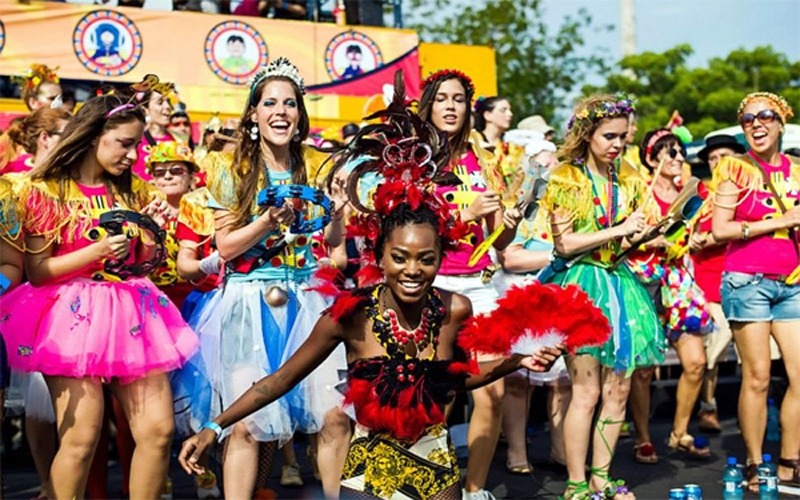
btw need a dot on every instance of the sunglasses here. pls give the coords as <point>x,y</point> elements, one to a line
<point>674,152</point>
<point>180,123</point>
<point>174,171</point>
<point>764,116</point>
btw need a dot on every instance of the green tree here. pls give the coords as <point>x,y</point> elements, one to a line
<point>707,97</point>
<point>538,66</point>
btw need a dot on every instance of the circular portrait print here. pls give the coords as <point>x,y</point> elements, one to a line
<point>107,43</point>
<point>235,51</point>
<point>352,54</point>
<point>2,36</point>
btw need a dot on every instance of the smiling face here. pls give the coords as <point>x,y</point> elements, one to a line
<point>449,110</point>
<point>608,140</point>
<point>277,113</point>
<point>672,156</point>
<point>159,109</point>
<point>762,137</point>
<point>173,178</point>
<point>500,116</point>
<point>410,261</point>
<point>115,150</point>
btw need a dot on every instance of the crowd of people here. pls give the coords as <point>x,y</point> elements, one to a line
<point>269,281</point>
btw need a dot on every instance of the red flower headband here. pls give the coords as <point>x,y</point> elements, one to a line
<point>448,73</point>
<point>654,139</point>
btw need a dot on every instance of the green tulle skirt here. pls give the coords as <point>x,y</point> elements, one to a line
<point>637,338</point>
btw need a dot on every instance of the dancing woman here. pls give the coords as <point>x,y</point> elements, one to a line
<point>93,328</point>
<point>400,376</point>
<point>593,201</point>
<point>757,210</point>
<point>266,308</point>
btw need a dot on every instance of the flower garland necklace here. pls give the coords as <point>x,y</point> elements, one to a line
<point>608,214</point>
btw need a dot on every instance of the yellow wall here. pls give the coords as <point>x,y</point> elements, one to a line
<point>476,61</point>
<point>335,111</point>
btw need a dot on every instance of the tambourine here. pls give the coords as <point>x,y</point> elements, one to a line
<point>274,196</point>
<point>113,222</point>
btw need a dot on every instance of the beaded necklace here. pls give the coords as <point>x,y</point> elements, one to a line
<point>393,337</point>
<point>607,214</point>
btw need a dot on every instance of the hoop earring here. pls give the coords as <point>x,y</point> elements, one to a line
<point>254,132</point>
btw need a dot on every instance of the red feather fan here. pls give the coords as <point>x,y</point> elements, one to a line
<point>537,315</point>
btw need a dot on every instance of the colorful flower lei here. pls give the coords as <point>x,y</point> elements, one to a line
<point>446,74</point>
<point>622,106</point>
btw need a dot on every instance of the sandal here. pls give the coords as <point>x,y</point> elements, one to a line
<point>577,491</point>
<point>751,477</point>
<point>612,487</point>
<point>645,453</point>
<point>793,464</point>
<point>520,470</point>
<point>695,447</point>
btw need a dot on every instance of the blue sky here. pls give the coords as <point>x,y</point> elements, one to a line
<point>712,27</point>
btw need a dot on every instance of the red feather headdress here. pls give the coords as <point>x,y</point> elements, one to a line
<point>406,153</point>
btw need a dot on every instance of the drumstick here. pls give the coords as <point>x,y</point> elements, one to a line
<point>652,185</point>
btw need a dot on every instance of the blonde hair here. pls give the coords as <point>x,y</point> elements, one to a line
<point>588,115</point>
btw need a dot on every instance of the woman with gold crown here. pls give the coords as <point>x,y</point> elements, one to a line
<point>267,309</point>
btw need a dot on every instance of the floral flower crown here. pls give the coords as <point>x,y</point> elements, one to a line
<point>281,67</point>
<point>621,106</point>
<point>36,75</point>
<point>783,107</point>
<point>445,74</point>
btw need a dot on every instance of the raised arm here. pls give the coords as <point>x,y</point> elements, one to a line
<point>327,334</point>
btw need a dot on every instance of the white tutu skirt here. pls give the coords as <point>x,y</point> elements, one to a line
<point>195,399</point>
<point>252,340</point>
<point>558,373</point>
<point>28,394</point>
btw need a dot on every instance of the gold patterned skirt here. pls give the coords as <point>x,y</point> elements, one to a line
<point>385,467</point>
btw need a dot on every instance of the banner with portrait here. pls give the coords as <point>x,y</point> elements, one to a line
<point>209,57</point>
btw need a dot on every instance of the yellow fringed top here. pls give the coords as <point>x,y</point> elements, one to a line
<point>195,214</point>
<point>747,176</point>
<point>64,220</point>
<point>221,180</point>
<point>570,191</point>
<point>9,213</point>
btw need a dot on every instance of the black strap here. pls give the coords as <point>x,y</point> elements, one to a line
<point>778,200</point>
<point>148,137</point>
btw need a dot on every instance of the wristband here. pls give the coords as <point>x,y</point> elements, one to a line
<point>5,283</point>
<point>214,427</point>
<point>210,264</point>
<point>745,230</point>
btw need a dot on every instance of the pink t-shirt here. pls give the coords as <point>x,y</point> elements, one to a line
<point>99,203</point>
<point>771,253</point>
<point>143,153</point>
<point>23,163</point>
<point>460,197</point>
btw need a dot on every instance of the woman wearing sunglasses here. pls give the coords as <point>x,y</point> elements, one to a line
<point>661,266</point>
<point>756,210</point>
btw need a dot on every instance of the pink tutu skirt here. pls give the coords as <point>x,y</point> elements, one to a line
<point>83,328</point>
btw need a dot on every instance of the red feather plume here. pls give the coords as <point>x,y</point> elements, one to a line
<point>536,315</point>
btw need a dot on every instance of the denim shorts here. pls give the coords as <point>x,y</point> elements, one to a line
<point>752,298</point>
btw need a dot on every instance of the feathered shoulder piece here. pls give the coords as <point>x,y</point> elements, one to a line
<point>740,170</point>
<point>568,189</point>
<point>221,180</point>
<point>195,213</point>
<point>9,219</point>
